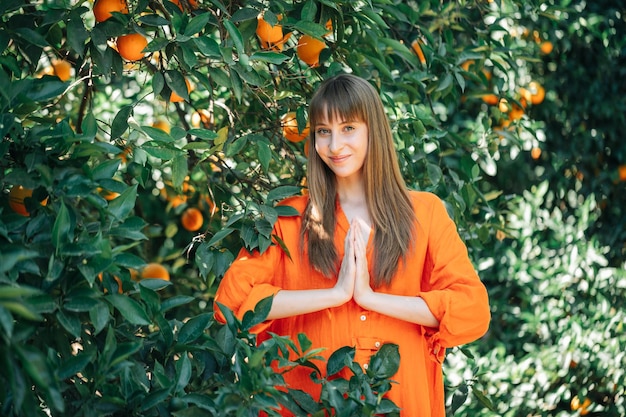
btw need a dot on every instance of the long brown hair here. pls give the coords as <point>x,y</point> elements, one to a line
<point>352,98</point>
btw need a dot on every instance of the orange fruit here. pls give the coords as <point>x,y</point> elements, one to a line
<point>162,124</point>
<point>575,404</point>
<point>267,33</point>
<point>102,9</point>
<point>16,199</point>
<point>107,194</point>
<point>155,270</point>
<point>621,171</point>
<point>535,152</point>
<point>193,4</point>
<point>289,124</point>
<point>546,47</point>
<point>491,99</point>
<point>131,46</point>
<point>329,27</point>
<point>192,219</point>
<point>465,65</point>
<point>516,112</point>
<point>175,98</point>
<point>309,49</point>
<point>62,69</point>
<point>117,279</point>
<point>536,93</point>
<point>178,200</point>
<point>417,48</point>
<point>202,117</point>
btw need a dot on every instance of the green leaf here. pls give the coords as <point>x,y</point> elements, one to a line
<point>180,169</point>
<point>124,351</point>
<point>77,35</point>
<point>175,301</point>
<point>259,315</point>
<point>75,364</point>
<point>121,206</point>
<point>265,154</point>
<point>176,82</point>
<point>339,359</point>
<point>120,122</point>
<point>197,23</point>
<point>194,328</point>
<point>271,57</point>
<point>106,169</point>
<point>183,373</point>
<point>99,315</point>
<point>158,150</point>
<point>63,227</point>
<point>385,363</point>
<point>129,308</point>
<point>235,35</point>
<point>203,133</point>
<point>157,134</point>
<point>207,46</point>
<point>220,235</point>
<point>204,260</point>
<point>282,192</point>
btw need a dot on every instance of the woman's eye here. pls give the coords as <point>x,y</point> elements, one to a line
<point>321,131</point>
<point>349,128</point>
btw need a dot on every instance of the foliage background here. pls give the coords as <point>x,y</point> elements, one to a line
<point>538,196</point>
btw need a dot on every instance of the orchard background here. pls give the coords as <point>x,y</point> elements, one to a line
<point>135,167</point>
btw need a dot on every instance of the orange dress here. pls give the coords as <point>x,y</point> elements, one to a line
<point>438,270</point>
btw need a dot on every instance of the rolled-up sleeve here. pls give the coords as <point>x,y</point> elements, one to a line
<point>451,287</point>
<point>248,281</point>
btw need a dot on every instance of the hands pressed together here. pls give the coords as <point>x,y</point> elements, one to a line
<point>353,281</point>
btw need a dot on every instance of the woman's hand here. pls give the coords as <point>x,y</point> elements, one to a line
<point>362,287</point>
<point>347,272</point>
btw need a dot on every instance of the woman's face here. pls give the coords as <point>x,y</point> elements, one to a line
<point>342,145</point>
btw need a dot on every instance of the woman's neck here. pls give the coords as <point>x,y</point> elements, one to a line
<point>353,201</point>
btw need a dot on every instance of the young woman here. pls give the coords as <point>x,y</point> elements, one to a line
<point>371,262</point>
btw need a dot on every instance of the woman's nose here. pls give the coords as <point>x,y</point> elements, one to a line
<point>335,144</point>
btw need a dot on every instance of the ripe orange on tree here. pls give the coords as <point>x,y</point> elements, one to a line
<point>193,4</point>
<point>162,124</point>
<point>16,199</point>
<point>192,219</point>
<point>546,47</point>
<point>102,9</point>
<point>309,49</point>
<point>62,69</point>
<point>535,152</point>
<point>155,270</point>
<point>575,405</point>
<point>203,118</point>
<point>289,124</point>
<point>491,99</point>
<point>131,46</point>
<point>621,172</point>
<point>535,93</point>
<point>268,34</point>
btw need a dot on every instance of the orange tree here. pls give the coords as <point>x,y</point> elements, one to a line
<point>109,186</point>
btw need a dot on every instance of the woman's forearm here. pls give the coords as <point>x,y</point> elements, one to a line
<point>289,303</point>
<point>411,309</point>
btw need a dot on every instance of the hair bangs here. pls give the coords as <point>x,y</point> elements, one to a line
<point>337,101</point>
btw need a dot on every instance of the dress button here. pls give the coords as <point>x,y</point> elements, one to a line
<point>377,344</point>
<point>365,366</point>
<point>363,317</point>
